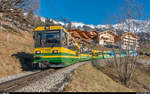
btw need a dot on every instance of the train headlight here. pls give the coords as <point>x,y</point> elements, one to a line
<point>38,52</point>
<point>55,51</point>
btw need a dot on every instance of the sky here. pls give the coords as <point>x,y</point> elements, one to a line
<point>86,11</point>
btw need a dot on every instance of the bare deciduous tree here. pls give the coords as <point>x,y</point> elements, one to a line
<point>126,65</point>
<point>17,5</point>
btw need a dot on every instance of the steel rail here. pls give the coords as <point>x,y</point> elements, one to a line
<point>15,84</point>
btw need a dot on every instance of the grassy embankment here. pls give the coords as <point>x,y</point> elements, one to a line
<point>15,52</point>
<point>105,79</point>
<point>89,79</point>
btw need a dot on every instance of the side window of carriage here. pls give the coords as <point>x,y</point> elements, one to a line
<point>110,54</point>
<point>96,54</point>
<point>90,53</point>
<point>100,53</point>
<point>82,50</point>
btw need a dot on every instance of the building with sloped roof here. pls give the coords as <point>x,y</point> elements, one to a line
<point>108,38</point>
<point>80,37</point>
<point>129,41</point>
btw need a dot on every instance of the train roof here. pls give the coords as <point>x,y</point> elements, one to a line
<point>96,51</point>
<point>42,28</point>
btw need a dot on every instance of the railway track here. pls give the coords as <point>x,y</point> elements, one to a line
<point>10,86</point>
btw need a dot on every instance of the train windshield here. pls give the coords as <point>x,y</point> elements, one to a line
<point>53,37</point>
<point>47,39</point>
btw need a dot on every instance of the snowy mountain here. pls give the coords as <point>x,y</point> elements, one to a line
<point>135,25</point>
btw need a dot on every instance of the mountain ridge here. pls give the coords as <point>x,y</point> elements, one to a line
<point>139,25</point>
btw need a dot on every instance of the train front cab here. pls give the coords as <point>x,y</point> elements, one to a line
<point>54,47</point>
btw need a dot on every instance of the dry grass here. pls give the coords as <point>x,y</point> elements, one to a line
<point>141,74</point>
<point>89,79</point>
<point>105,79</point>
<point>10,45</point>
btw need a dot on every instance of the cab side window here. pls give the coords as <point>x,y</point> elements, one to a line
<point>39,39</point>
<point>72,44</point>
<point>84,50</point>
<point>64,39</point>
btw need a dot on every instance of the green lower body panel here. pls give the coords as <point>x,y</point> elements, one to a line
<point>107,56</point>
<point>65,61</point>
<point>85,58</point>
<point>101,57</point>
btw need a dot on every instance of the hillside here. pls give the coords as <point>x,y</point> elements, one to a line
<point>16,55</point>
<point>88,78</point>
<point>93,81</point>
<point>15,52</point>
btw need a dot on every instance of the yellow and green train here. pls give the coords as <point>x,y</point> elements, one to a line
<point>55,47</point>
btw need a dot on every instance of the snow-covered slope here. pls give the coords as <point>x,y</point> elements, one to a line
<point>135,25</point>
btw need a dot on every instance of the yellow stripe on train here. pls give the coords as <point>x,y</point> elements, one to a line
<point>59,49</point>
<point>84,55</point>
<point>60,57</point>
<point>42,28</point>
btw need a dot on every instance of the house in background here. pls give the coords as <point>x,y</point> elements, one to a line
<point>108,38</point>
<point>94,35</point>
<point>80,36</point>
<point>85,35</point>
<point>129,41</point>
<point>76,34</point>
